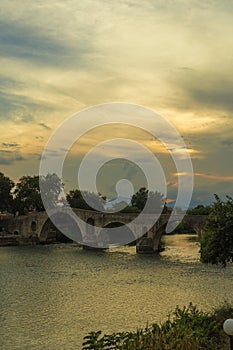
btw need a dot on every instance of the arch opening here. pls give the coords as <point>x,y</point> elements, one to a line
<point>33,226</point>
<point>117,233</point>
<point>90,228</point>
<point>51,234</point>
<point>144,229</point>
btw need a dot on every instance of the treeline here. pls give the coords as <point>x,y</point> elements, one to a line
<point>216,243</point>
<point>24,196</point>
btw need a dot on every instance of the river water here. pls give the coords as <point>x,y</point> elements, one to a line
<point>51,296</point>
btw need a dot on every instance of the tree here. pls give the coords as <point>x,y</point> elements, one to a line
<point>130,209</point>
<point>139,198</point>
<point>6,185</point>
<point>78,199</point>
<point>51,187</point>
<point>155,200</point>
<point>27,195</point>
<point>217,238</point>
<point>200,210</point>
<point>28,192</point>
<point>166,209</point>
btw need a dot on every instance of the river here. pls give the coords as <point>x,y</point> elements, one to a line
<point>51,296</point>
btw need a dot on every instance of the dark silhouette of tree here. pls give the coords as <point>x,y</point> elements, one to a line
<point>166,209</point>
<point>27,193</point>
<point>199,210</point>
<point>6,199</point>
<point>130,209</point>
<point>217,238</point>
<point>139,198</point>
<point>155,200</point>
<point>78,199</point>
<point>51,187</point>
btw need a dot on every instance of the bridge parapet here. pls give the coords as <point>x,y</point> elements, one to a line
<point>37,224</point>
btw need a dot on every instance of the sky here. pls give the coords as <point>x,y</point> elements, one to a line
<point>174,57</point>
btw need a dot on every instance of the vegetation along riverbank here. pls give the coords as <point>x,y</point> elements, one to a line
<point>187,328</point>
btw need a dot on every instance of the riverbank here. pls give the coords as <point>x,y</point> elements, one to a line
<point>48,286</point>
<point>8,240</point>
<point>12,240</point>
<point>187,328</point>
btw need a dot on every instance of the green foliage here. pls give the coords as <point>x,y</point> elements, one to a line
<point>130,209</point>
<point>222,313</point>
<point>155,199</point>
<point>217,238</point>
<point>6,185</point>
<point>166,209</point>
<point>78,199</point>
<point>51,187</point>
<point>139,198</point>
<point>187,328</point>
<point>183,227</point>
<point>27,194</point>
<point>200,210</point>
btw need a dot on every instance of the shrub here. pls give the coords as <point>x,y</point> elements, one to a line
<point>185,329</point>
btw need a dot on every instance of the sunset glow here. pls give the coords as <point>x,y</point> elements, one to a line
<point>57,58</point>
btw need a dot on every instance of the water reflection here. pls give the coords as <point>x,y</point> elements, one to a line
<point>51,296</point>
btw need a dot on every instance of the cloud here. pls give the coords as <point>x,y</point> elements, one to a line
<point>227,142</point>
<point>7,105</point>
<point>203,90</point>
<point>26,118</point>
<point>8,157</point>
<point>23,41</point>
<point>43,125</point>
<point>13,106</point>
<point>10,145</point>
<point>215,95</point>
<point>215,177</point>
<point>175,57</point>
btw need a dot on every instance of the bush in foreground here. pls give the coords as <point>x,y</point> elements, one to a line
<point>188,328</point>
<point>217,238</point>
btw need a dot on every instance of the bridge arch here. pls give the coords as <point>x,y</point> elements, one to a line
<point>33,226</point>
<point>50,234</point>
<point>117,233</point>
<point>145,229</point>
<point>90,226</point>
<point>189,222</point>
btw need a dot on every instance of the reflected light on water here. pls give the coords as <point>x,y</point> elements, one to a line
<point>52,296</point>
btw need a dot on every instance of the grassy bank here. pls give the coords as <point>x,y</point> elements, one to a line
<point>186,328</point>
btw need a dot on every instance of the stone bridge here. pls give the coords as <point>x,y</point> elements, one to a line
<point>93,228</point>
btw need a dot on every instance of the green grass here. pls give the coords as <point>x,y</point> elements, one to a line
<point>187,328</point>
